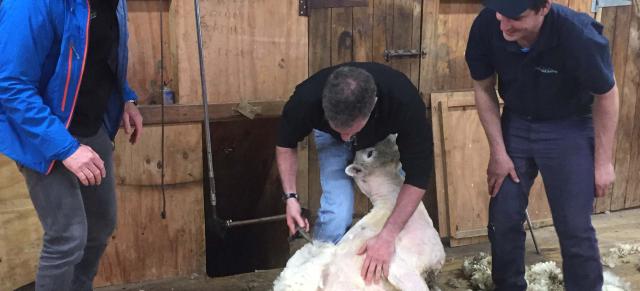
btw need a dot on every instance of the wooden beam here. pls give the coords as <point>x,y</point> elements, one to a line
<point>174,114</point>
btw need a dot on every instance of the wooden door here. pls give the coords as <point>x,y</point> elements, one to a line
<point>345,34</point>
<point>622,29</point>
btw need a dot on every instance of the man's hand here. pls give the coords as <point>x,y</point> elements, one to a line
<point>378,251</point>
<point>294,216</point>
<point>132,115</point>
<point>86,165</point>
<point>500,165</point>
<point>605,175</point>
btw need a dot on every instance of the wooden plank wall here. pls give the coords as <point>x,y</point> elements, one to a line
<point>149,52</point>
<point>20,229</point>
<point>253,51</point>
<point>622,29</point>
<point>454,19</point>
<point>145,246</point>
<point>338,35</point>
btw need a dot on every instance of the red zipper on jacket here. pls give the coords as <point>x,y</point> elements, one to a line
<point>84,58</point>
<point>66,84</point>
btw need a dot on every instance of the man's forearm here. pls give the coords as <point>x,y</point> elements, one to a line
<point>408,200</point>
<point>287,159</point>
<point>605,122</point>
<point>489,113</point>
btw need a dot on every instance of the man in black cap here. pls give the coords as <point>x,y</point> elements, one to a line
<point>560,115</point>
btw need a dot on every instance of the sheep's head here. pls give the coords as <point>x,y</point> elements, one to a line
<point>384,155</point>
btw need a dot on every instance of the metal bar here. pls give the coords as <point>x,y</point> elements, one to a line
<point>314,4</point>
<point>389,54</point>
<point>305,5</point>
<point>205,103</point>
<point>231,223</point>
<point>535,243</point>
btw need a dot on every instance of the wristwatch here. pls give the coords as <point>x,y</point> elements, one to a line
<point>287,196</point>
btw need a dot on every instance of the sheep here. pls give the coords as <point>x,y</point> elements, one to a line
<point>304,269</point>
<point>419,251</point>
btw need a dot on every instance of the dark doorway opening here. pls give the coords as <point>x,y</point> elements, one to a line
<point>247,187</point>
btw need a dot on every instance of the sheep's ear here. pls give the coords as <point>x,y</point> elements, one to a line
<point>354,170</point>
<point>393,137</point>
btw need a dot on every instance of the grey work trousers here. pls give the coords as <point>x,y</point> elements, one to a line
<point>77,220</point>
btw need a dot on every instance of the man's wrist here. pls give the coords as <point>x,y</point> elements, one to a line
<point>602,159</point>
<point>498,151</point>
<point>289,195</point>
<point>388,233</point>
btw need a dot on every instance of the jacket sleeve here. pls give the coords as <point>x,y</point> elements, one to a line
<point>26,37</point>
<point>128,93</point>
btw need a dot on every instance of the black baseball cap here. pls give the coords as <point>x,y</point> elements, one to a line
<point>509,8</point>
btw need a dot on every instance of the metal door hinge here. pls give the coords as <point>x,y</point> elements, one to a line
<point>305,5</point>
<point>389,54</point>
<point>597,4</point>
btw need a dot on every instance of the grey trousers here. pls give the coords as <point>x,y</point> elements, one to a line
<point>77,220</point>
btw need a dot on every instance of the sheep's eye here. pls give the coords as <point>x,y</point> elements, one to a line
<point>370,154</point>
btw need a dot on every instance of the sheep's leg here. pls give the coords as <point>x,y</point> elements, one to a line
<point>405,279</point>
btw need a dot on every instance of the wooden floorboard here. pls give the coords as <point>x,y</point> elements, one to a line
<point>612,228</point>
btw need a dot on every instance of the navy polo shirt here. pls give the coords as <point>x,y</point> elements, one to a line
<point>557,77</point>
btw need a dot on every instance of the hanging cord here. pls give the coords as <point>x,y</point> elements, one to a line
<point>163,213</point>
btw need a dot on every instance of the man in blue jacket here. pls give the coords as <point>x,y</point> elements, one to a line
<point>555,76</point>
<point>63,96</point>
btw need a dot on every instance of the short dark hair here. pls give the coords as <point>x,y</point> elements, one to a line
<point>537,5</point>
<point>348,95</point>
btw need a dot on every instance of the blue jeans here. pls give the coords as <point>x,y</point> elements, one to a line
<point>562,150</point>
<point>336,203</point>
<point>77,221</point>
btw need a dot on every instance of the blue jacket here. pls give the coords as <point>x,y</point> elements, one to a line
<point>43,48</point>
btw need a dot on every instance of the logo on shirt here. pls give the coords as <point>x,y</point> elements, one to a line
<point>546,70</point>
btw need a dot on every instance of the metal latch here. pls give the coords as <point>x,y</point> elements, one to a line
<point>597,4</point>
<point>305,5</point>
<point>389,54</point>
